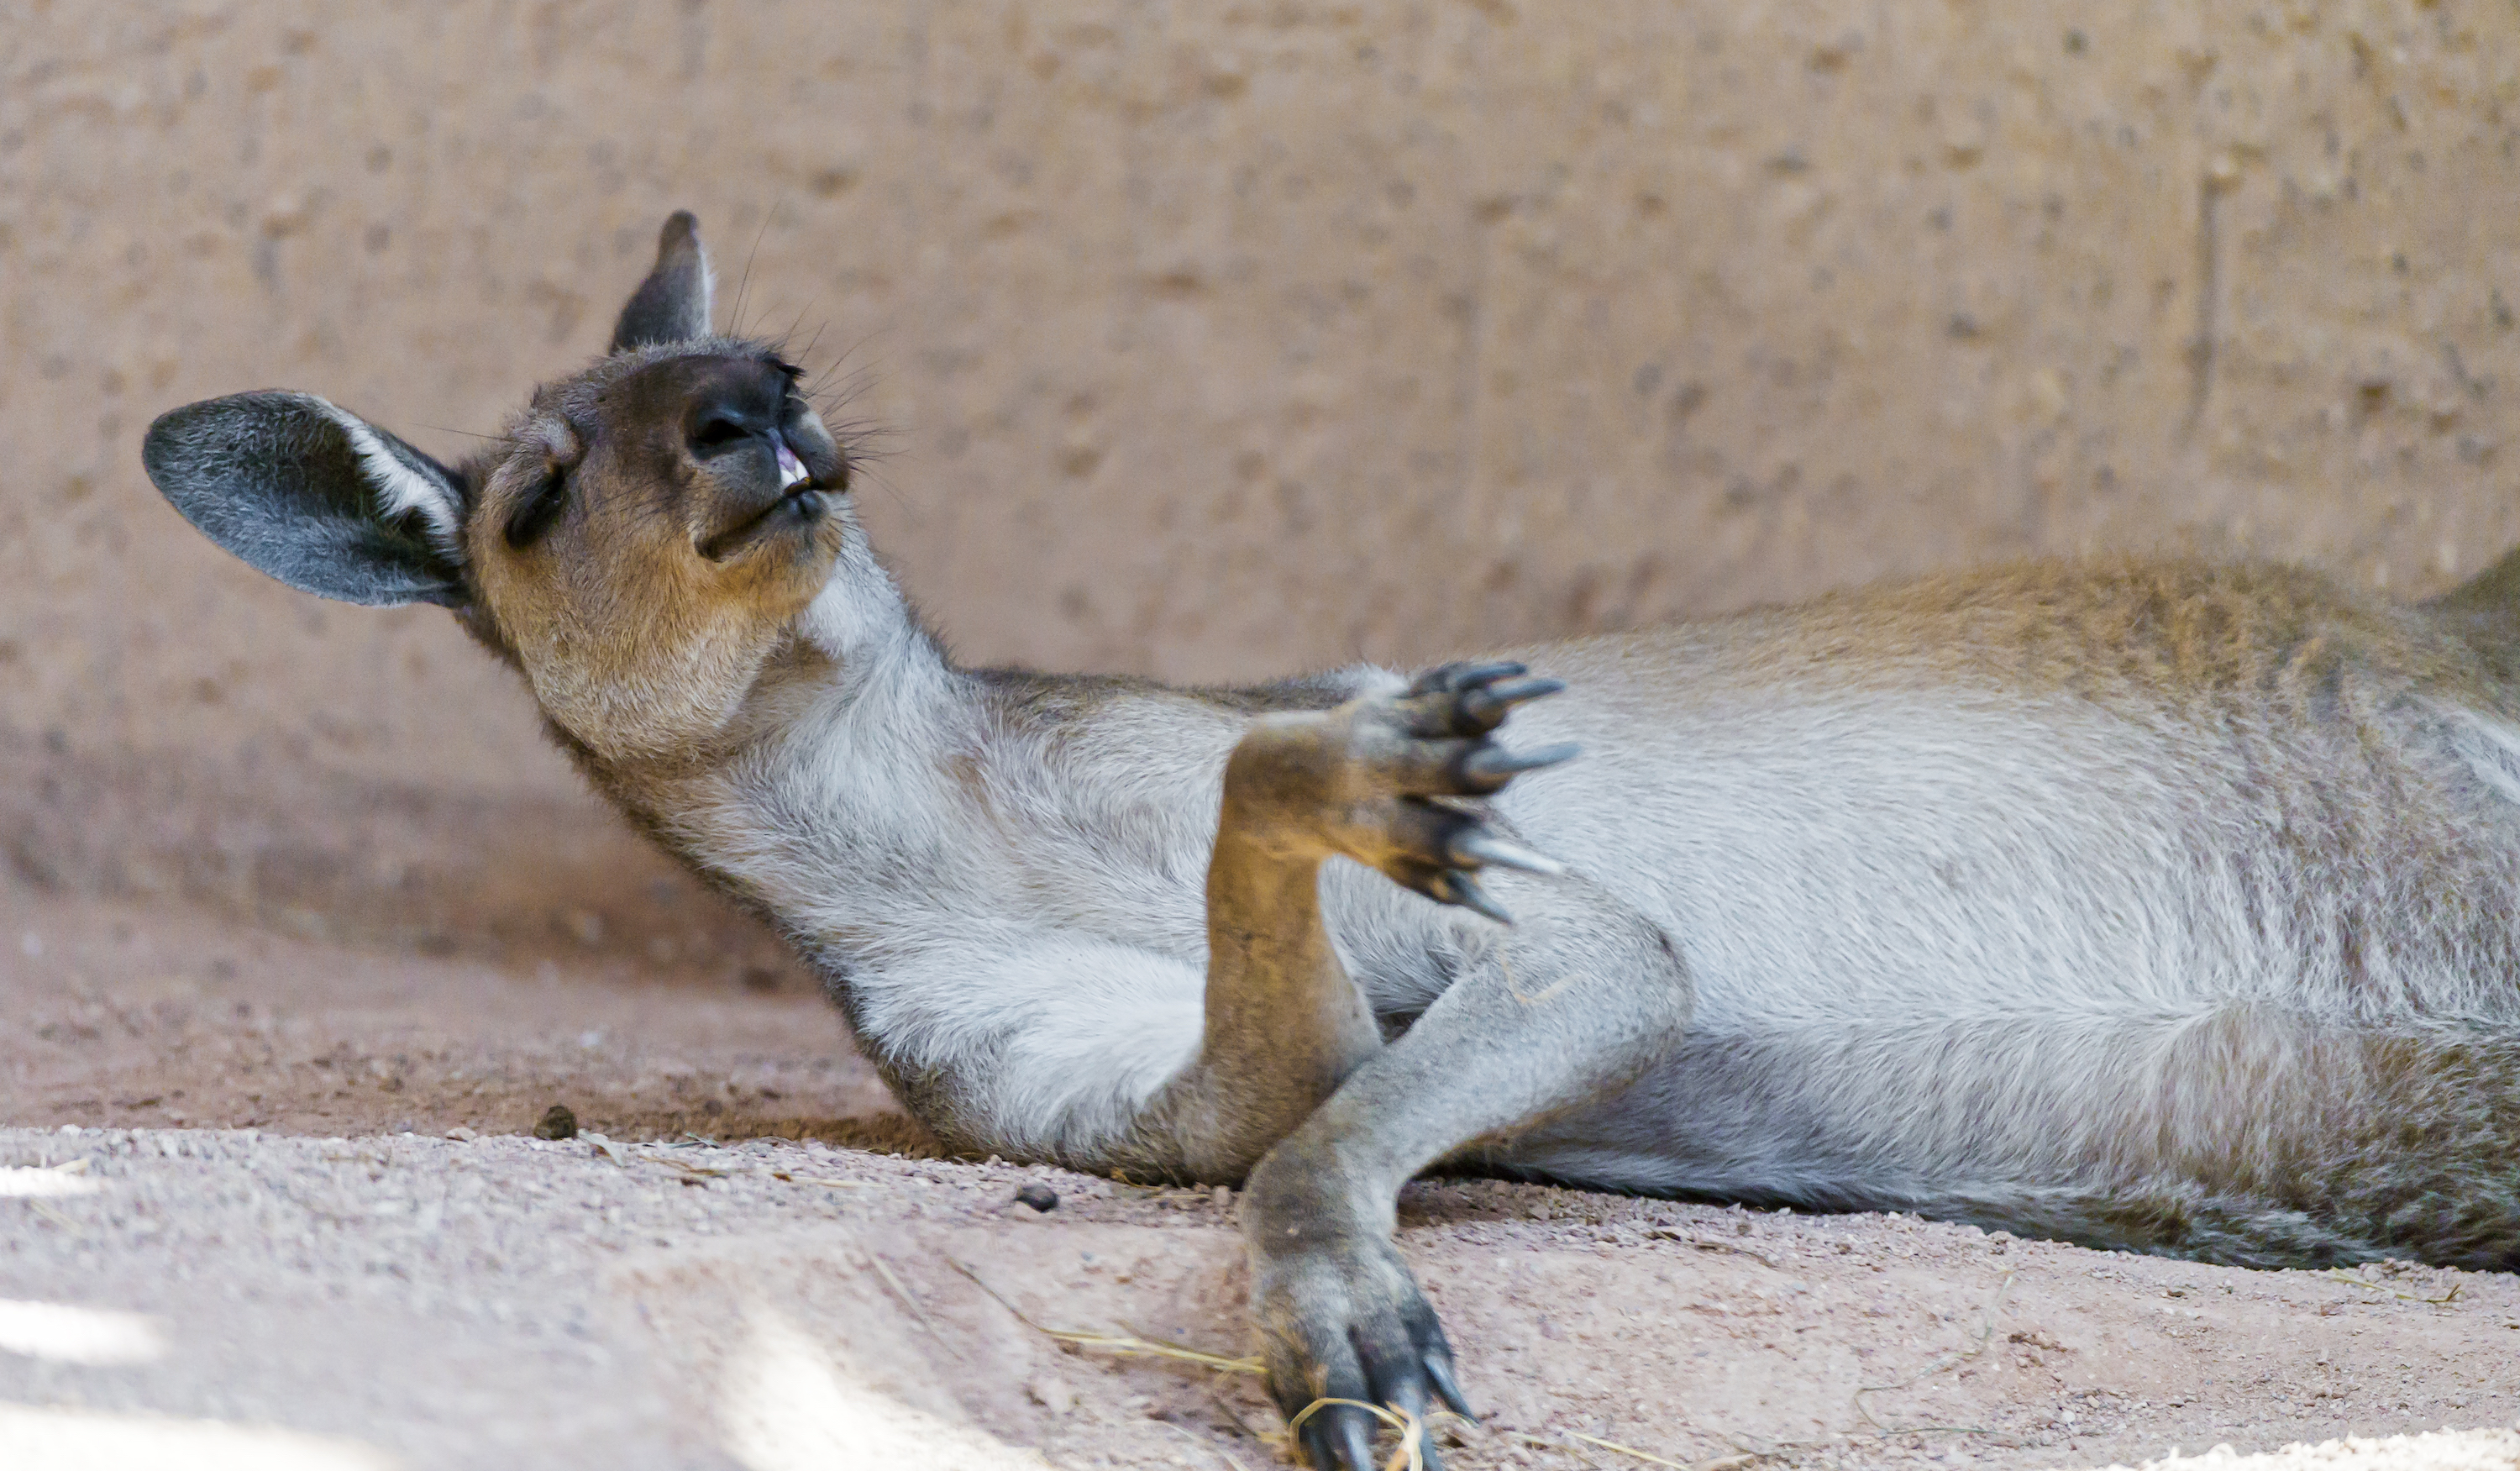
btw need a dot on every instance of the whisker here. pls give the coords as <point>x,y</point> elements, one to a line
<point>787,338</point>
<point>845,390</point>
<point>743,283</point>
<point>506,439</point>
<point>856,383</point>
<point>909,509</point>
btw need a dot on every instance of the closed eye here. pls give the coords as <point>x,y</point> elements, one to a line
<point>540,509</point>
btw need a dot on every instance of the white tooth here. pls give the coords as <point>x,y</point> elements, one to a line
<point>791,468</point>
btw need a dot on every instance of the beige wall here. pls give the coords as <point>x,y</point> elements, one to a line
<point>1222,338</point>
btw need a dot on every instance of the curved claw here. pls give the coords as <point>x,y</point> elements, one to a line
<point>1339,1438</point>
<point>1455,886</point>
<point>1397,1371</point>
<point>1355,1431</point>
<point>1477,847</point>
<point>1487,706</point>
<point>1500,766</point>
<point>1439,1374</point>
<point>1427,1458</point>
<point>1318,1451</point>
<point>1452,678</point>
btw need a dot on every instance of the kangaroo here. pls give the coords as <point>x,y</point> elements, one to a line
<point>2160,906</point>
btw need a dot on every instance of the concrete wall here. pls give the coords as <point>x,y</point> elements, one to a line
<point>1217,340</point>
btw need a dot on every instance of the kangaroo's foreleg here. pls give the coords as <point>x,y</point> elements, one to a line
<point>1370,781</point>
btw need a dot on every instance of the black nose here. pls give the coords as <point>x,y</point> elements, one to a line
<point>735,407</point>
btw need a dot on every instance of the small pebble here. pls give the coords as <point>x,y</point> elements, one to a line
<point>1040,1197</point>
<point>1050,1394</point>
<point>557,1123</point>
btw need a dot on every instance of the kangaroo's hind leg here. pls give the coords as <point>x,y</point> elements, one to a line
<point>1572,1005</point>
<point>1568,1005</point>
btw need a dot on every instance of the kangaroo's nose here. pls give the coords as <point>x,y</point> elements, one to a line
<point>716,426</point>
<point>734,409</point>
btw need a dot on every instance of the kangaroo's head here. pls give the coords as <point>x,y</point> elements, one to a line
<point>640,542</point>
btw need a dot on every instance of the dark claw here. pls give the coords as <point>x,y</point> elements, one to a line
<point>1353,1433</point>
<point>1395,1375</point>
<point>1487,707</point>
<point>1452,678</point>
<point>1439,1374</point>
<point>1426,1455</point>
<point>1477,847</point>
<point>1500,766</point>
<point>1453,887</point>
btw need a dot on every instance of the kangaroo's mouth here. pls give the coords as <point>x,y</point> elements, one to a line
<point>791,470</point>
<point>801,502</point>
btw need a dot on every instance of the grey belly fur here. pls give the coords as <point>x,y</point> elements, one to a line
<point>2038,966</point>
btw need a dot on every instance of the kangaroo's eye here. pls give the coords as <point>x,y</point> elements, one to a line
<point>535,515</point>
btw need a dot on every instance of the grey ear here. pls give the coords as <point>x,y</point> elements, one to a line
<point>315,496</point>
<point>672,305</point>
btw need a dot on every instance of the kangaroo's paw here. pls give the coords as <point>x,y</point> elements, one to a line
<point>1392,780</point>
<point>1349,1324</point>
<point>1438,742</point>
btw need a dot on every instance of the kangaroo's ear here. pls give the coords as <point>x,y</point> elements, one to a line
<point>315,496</point>
<point>672,305</point>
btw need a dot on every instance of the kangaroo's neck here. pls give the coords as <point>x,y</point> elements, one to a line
<point>860,631</point>
<point>868,790</point>
<point>830,744</point>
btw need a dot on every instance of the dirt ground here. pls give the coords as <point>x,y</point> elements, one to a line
<point>304,1164</point>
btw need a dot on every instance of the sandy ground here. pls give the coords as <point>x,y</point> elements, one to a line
<point>247,1154</point>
